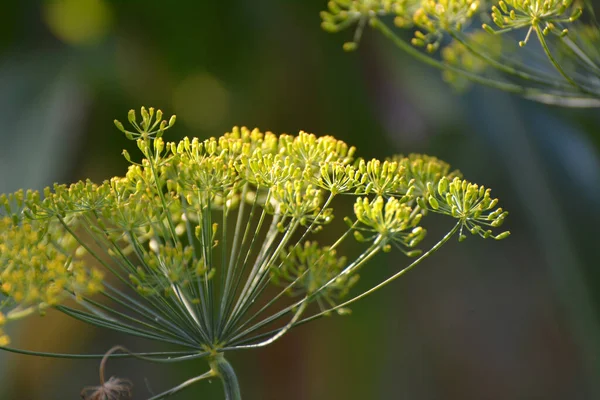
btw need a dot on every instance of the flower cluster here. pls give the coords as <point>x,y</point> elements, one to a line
<point>342,14</point>
<point>196,231</point>
<point>470,203</point>
<point>469,55</point>
<point>433,17</point>
<point>41,265</point>
<point>533,14</point>
<point>305,269</point>
<point>458,55</point>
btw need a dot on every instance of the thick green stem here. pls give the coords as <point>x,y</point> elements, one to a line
<point>225,371</point>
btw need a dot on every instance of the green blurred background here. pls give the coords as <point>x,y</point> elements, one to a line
<point>516,319</point>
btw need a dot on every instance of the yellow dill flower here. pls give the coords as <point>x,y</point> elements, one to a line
<point>435,17</point>
<point>196,231</point>
<point>533,14</point>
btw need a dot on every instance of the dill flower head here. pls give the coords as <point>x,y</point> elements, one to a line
<point>545,15</point>
<point>458,55</point>
<point>470,203</point>
<point>41,265</point>
<point>200,241</point>
<point>341,14</point>
<point>432,17</point>
<point>435,17</point>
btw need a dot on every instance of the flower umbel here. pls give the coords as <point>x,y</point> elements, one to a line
<point>532,14</point>
<point>466,56</point>
<point>468,202</point>
<point>202,240</point>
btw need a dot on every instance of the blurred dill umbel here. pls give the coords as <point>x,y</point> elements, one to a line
<point>209,246</point>
<point>544,50</point>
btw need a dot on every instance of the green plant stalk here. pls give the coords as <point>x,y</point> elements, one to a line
<point>221,368</point>
<point>548,97</point>
<point>581,54</point>
<point>166,356</point>
<point>506,68</point>
<point>239,341</point>
<point>387,32</point>
<point>556,65</point>
<point>184,385</point>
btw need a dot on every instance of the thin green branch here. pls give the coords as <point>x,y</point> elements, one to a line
<point>556,65</point>
<point>236,342</point>
<point>504,67</point>
<point>184,385</point>
<point>508,87</point>
<point>166,357</point>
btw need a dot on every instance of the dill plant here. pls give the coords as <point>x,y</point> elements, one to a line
<point>209,246</point>
<point>557,60</point>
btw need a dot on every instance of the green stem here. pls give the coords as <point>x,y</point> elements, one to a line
<point>183,385</point>
<point>386,31</point>
<point>169,356</point>
<point>581,54</point>
<point>236,343</point>
<point>402,272</point>
<point>531,93</point>
<point>504,67</point>
<point>556,65</point>
<point>221,367</point>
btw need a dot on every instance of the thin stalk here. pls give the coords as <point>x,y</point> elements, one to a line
<point>504,67</point>
<point>507,87</point>
<point>556,65</point>
<point>244,265</point>
<point>206,244</point>
<point>225,272</point>
<point>100,260</point>
<point>290,285</point>
<point>137,248</point>
<point>93,253</point>
<point>402,272</point>
<point>262,282</point>
<point>161,195</point>
<point>184,385</point>
<point>581,54</point>
<point>265,265</point>
<point>233,256</point>
<point>238,279</point>
<point>169,356</point>
<point>184,317</point>
<point>373,289</point>
<point>282,331</point>
<point>364,257</point>
<point>135,320</point>
<point>116,326</point>
<point>192,242</point>
<point>150,317</point>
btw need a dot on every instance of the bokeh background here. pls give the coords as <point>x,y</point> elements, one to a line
<point>516,319</point>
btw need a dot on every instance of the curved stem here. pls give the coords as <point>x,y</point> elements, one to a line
<point>282,331</point>
<point>581,54</point>
<point>183,385</point>
<point>556,65</point>
<point>367,255</point>
<point>221,368</point>
<point>505,67</point>
<point>508,87</point>
<point>402,272</point>
<point>530,93</point>
<point>170,356</point>
<point>360,296</point>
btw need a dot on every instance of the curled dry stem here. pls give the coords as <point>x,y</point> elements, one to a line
<point>112,389</point>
